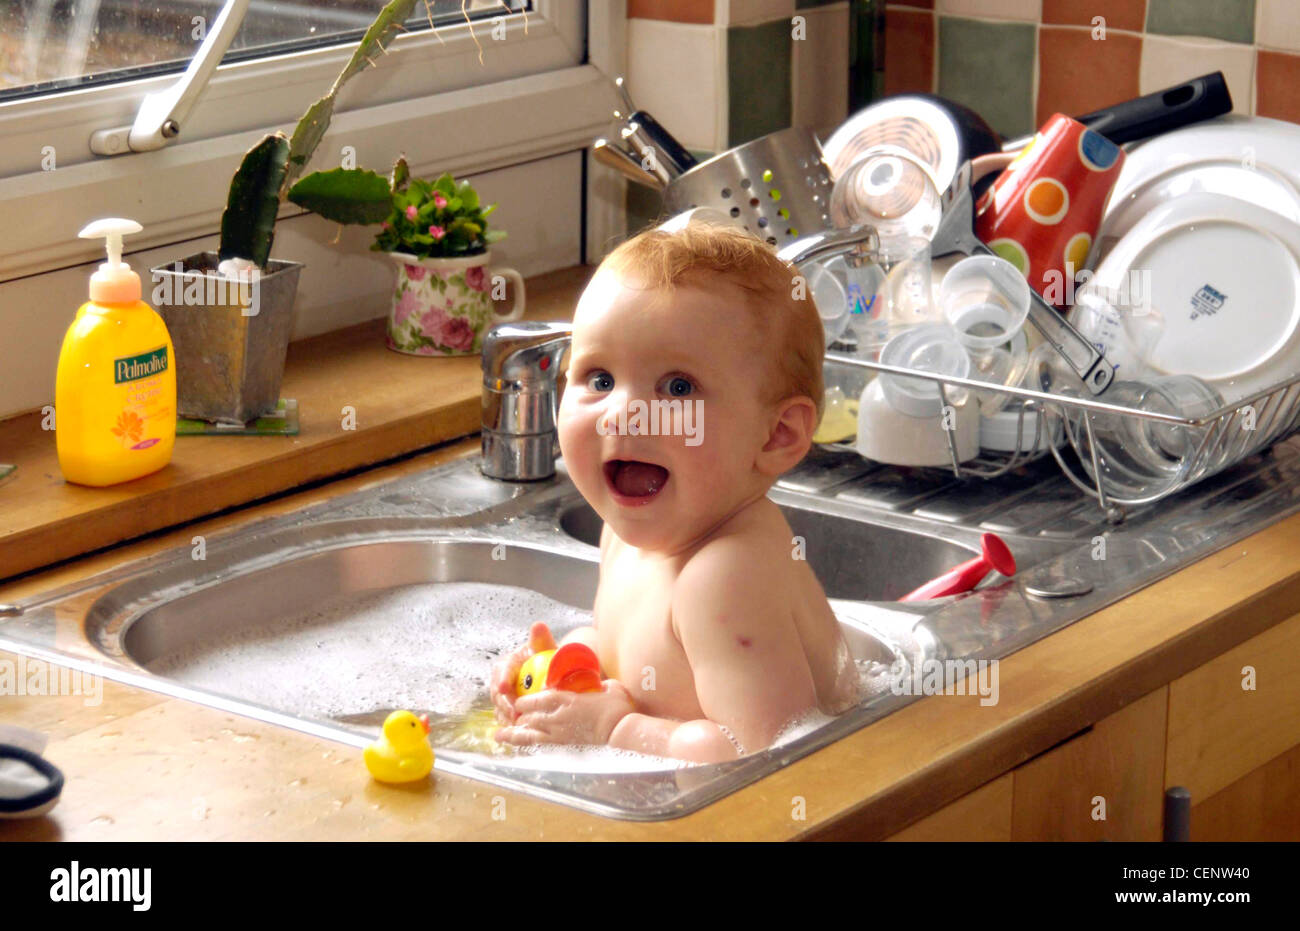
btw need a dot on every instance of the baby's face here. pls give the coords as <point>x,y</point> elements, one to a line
<point>689,359</point>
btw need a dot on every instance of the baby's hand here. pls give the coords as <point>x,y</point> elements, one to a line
<point>557,717</point>
<point>506,670</point>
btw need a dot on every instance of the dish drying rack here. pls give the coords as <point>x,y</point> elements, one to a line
<point>1219,439</point>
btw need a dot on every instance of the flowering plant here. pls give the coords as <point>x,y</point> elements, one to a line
<point>429,220</point>
<point>442,219</point>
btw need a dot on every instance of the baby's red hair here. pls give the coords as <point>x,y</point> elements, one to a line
<point>779,301</point>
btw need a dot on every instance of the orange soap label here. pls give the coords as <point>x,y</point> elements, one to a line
<point>147,412</point>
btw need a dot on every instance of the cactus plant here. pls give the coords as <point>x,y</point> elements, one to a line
<point>248,222</point>
<point>271,167</point>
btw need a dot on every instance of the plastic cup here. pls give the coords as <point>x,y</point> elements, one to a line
<point>986,300</point>
<point>828,292</point>
<point>928,348</point>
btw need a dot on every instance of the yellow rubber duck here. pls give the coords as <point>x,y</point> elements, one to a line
<point>402,753</point>
<point>574,667</point>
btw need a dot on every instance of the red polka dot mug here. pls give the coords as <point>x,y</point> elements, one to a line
<point>1042,212</point>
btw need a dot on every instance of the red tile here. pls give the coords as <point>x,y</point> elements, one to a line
<point>1118,14</point>
<point>1078,74</point>
<point>909,51</point>
<point>1277,85</point>
<point>678,11</point>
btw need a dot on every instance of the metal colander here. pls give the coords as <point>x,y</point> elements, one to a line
<point>777,186</point>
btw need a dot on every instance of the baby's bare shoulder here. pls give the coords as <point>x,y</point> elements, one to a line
<point>748,562</point>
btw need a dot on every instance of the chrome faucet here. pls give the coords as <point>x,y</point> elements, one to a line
<point>521,369</point>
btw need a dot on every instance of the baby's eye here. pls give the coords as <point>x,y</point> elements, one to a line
<point>600,381</point>
<point>677,386</point>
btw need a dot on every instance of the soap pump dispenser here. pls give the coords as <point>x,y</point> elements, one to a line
<point>115,391</point>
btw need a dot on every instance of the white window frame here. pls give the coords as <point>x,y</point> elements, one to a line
<point>534,97</point>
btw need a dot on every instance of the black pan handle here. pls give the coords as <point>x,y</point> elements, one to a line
<point>1199,99</point>
<point>664,140</point>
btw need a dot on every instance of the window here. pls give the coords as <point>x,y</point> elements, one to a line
<point>512,83</point>
<point>516,120</point>
<point>53,45</point>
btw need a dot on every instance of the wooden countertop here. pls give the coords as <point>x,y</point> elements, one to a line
<point>402,403</point>
<point>143,766</point>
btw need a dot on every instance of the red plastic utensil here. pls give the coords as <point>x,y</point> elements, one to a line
<point>994,555</point>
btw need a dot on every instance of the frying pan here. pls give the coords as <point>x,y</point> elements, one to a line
<point>944,133</point>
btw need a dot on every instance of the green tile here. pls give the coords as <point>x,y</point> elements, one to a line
<point>758,80</point>
<point>989,67</point>
<point>643,207</point>
<point>1231,20</point>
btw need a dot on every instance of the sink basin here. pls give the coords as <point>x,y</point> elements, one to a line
<point>853,558</point>
<point>317,619</point>
<point>314,597</point>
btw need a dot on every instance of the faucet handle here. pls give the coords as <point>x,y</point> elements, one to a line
<point>525,353</point>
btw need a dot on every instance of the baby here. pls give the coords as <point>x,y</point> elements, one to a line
<point>713,632</point>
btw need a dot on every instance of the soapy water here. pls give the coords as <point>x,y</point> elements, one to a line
<point>427,647</point>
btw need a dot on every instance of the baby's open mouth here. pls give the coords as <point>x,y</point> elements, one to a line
<point>635,480</point>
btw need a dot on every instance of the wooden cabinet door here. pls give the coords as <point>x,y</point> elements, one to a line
<point>1234,739</point>
<point>984,814</point>
<point>1235,713</point>
<point>1105,784</point>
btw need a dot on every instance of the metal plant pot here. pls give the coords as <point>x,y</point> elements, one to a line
<point>230,337</point>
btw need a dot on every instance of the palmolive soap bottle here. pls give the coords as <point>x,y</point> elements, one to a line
<point>115,393</point>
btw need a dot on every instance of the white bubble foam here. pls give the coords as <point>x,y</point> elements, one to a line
<point>427,647</point>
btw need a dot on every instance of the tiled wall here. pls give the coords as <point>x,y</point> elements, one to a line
<point>717,73</point>
<point>1016,62</point>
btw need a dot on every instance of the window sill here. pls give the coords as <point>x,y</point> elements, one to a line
<point>402,403</point>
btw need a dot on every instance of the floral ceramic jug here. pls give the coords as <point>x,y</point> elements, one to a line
<point>444,307</point>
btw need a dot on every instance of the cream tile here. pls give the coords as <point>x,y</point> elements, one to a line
<point>820,68</point>
<point>675,73</point>
<point>752,12</point>
<point>1167,61</point>
<point>1024,10</point>
<point>1277,24</point>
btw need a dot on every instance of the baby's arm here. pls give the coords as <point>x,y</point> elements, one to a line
<point>751,677</point>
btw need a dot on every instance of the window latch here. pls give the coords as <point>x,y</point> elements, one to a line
<point>162,113</point>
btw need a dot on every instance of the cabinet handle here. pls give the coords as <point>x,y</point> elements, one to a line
<point>1178,814</point>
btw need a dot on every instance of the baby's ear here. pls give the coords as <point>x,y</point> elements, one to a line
<point>790,438</point>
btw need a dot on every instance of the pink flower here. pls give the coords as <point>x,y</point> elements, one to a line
<point>438,200</point>
<point>423,350</point>
<point>437,232</point>
<point>432,322</point>
<point>458,334</point>
<point>411,212</point>
<point>385,225</point>
<point>416,272</point>
<point>406,305</point>
<point>476,278</point>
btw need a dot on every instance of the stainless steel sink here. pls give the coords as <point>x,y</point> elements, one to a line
<point>853,559</point>
<point>871,534</point>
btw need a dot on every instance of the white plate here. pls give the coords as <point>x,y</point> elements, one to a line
<point>1246,140</point>
<point>1263,186</point>
<point>1248,157</point>
<point>1223,275</point>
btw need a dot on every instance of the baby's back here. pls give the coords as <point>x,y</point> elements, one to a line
<point>761,613</point>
